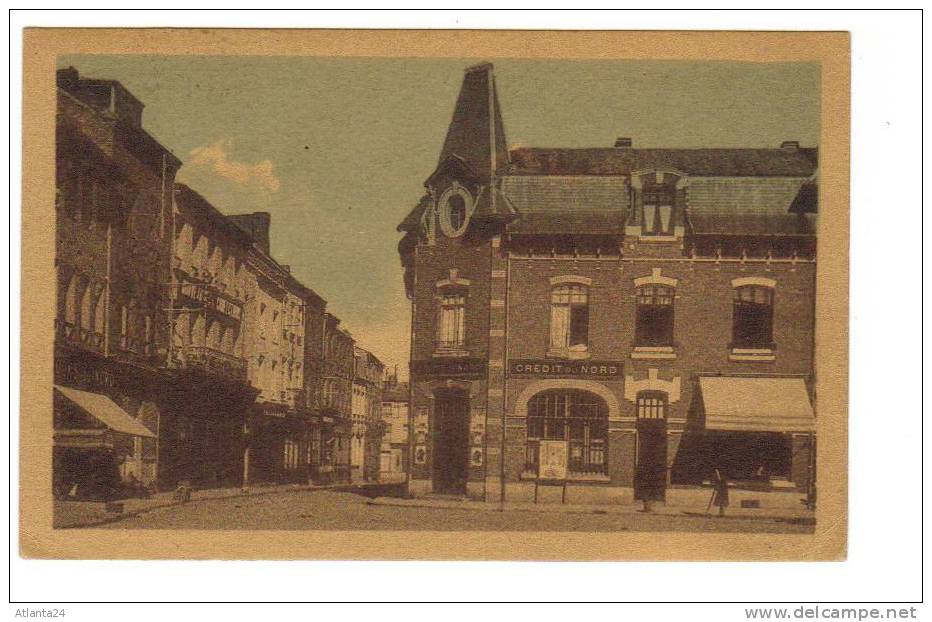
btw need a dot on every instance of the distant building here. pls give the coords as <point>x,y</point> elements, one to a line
<point>367,425</point>
<point>336,390</point>
<point>394,450</point>
<point>622,319</point>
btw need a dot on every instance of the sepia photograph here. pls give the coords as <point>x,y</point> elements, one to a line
<point>454,294</point>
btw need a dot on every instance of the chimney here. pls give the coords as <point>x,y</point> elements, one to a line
<point>622,142</point>
<point>789,145</point>
<point>257,225</point>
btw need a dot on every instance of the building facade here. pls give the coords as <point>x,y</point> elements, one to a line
<point>366,412</point>
<point>184,353</point>
<point>621,321</point>
<point>394,452</point>
<point>336,390</point>
<point>113,206</point>
<point>211,395</point>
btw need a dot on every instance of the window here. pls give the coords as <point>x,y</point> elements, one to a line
<point>657,210</point>
<point>654,321</point>
<point>753,317</point>
<point>569,318</point>
<point>452,333</point>
<point>651,405</point>
<point>578,417</point>
<point>457,212</point>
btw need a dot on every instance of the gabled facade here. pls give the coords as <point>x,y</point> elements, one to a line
<point>579,314</point>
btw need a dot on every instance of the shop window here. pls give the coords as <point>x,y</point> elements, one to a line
<point>452,333</point>
<point>753,317</point>
<point>657,210</point>
<point>569,319</point>
<point>577,417</point>
<point>654,321</point>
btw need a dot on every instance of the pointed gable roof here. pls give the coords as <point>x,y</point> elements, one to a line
<point>476,135</point>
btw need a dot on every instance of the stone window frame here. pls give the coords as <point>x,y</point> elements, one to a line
<point>568,352</point>
<point>749,354</point>
<point>443,210</point>
<point>667,351</point>
<point>454,286</point>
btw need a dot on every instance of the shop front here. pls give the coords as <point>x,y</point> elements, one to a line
<point>759,432</point>
<point>106,419</point>
<point>330,449</point>
<point>566,440</point>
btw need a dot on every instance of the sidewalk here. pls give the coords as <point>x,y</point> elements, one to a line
<point>73,514</point>
<point>774,514</point>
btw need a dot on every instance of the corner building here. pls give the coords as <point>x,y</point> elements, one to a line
<point>622,320</point>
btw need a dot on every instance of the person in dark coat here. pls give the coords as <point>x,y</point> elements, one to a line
<point>720,496</point>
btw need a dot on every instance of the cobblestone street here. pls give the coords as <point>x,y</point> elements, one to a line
<point>345,511</point>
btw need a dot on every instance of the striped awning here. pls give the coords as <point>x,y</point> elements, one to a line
<point>106,411</point>
<point>756,404</point>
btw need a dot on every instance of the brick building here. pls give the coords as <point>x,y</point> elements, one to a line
<point>622,320</point>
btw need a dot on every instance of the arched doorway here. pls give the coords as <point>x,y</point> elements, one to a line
<point>451,441</point>
<point>573,425</point>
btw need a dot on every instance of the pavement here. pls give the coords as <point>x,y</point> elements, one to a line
<point>800,515</point>
<point>72,514</point>
<point>305,508</point>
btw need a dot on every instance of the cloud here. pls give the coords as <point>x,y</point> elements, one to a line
<point>216,157</point>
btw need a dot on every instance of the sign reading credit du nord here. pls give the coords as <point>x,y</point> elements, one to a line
<point>565,369</point>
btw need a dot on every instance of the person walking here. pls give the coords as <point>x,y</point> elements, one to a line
<point>720,496</point>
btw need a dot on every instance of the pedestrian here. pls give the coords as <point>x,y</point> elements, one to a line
<point>720,496</point>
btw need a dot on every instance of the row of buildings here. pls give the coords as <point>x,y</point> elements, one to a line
<point>184,352</point>
<point>624,321</point>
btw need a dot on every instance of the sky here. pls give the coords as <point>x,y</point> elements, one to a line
<point>337,149</point>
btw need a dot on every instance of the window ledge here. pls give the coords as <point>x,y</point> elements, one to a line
<point>653,352</point>
<point>573,355</point>
<point>658,238</point>
<point>450,353</point>
<point>761,355</point>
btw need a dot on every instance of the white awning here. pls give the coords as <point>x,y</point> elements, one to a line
<point>106,411</point>
<point>756,404</point>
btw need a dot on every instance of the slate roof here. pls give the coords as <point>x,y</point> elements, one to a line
<point>695,162</point>
<point>577,222</point>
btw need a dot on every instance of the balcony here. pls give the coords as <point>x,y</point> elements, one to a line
<point>71,333</point>
<point>209,296</point>
<point>214,362</point>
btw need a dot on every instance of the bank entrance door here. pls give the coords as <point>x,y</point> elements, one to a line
<point>451,442</point>
<point>650,480</point>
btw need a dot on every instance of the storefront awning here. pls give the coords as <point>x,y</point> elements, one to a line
<point>756,404</point>
<point>106,411</point>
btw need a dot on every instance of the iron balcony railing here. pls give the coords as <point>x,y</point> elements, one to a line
<point>214,362</point>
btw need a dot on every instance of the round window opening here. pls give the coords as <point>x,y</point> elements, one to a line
<point>455,209</point>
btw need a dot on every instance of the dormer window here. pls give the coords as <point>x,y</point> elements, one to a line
<point>657,210</point>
